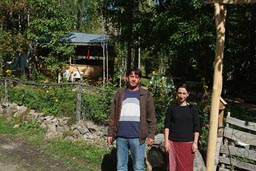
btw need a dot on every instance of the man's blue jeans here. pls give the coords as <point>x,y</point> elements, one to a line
<point>137,152</point>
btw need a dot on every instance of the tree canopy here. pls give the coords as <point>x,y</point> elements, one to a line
<point>172,37</point>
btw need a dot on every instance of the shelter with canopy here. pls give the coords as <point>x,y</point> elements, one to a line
<point>93,58</point>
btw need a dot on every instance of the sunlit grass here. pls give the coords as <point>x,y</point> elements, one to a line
<point>6,127</point>
<point>79,154</point>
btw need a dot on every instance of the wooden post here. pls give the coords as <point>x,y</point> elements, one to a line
<point>6,92</point>
<point>79,102</point>
<point>221,116</point>
<point>104,64</point>
<point>220,131</point>
<point>220,17</point>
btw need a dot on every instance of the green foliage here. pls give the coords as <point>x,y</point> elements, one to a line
<point>11,48</point>
<point>62,100</point>
<point>57,101</point>
<point>200,97</point>
<point>47,26</point>
<point>97,103</point>
<point>163,90</point>
<point>170,35</point>
<point>240,57</point>
<point>30,26</point>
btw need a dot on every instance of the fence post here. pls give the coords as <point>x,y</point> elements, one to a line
<point>79,102</point>
<point>5,91</point>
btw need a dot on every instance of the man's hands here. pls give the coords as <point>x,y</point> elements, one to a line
<point>150,141</point>
<point>109,140</point>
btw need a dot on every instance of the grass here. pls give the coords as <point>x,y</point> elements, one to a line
<point>79,154</point>
<point>5,127</point>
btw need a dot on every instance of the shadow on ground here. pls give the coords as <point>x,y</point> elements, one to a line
<point>109,162</point>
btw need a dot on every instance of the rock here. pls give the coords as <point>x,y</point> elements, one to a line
<point>69,138</point>
<point>83,130</point>
<point>199,164</point>
<point>159,139</point>
<point>51,127</point>
<point>16,126</point>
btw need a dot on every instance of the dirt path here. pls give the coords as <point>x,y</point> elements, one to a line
<point>17,155</point>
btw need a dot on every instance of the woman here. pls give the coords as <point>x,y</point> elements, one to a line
<point>181,131</point>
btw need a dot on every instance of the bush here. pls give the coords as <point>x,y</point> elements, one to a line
<point>97,103</point>
<point>162,89</point>
<point>57,101</point>
<point>61,100</point>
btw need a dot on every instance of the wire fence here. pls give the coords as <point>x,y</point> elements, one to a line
<point>81,90</point>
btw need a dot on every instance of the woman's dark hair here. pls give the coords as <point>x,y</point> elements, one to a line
<point>183,85</point>
<point>136,70</point>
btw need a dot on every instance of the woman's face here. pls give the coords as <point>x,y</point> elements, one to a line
<point>182,95</point>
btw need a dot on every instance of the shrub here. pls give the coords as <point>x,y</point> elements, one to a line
<point>162,89</point>
<point>61,100</point>
<point>96,105</point>
<point>57,101</point>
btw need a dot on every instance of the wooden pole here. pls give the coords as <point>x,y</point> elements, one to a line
<point>79,102</point>
<point>5,92</point>
<point>104,64</point>
<point>220,17</point>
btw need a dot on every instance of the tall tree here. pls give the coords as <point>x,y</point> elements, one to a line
<point>13,23</point>
<point>169,33</point>
<point>123,17</point>
<point>87,15</point>
<point>47,25</point>
<point>29,25</point>
<point>240,49</point>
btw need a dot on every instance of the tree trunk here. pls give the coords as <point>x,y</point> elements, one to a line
<point>129,56</point>
<point>136,56</point>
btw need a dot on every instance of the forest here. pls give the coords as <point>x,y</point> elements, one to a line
<point>172,38</point>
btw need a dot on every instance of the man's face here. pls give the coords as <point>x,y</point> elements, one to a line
<point>133,80</point>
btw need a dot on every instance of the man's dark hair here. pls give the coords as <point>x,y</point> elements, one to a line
<point>136,70</point>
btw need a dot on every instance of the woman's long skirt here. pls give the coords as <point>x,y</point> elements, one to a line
<point>181,156</point>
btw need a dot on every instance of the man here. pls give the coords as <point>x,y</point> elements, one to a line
<point>132,122</point>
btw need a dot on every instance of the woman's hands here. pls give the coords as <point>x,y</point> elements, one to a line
<point>194,146</point>
<point>167,146</point>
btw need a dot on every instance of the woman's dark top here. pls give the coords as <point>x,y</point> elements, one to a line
<point>182,122</point>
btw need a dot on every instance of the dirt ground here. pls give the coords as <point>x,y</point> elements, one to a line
<point>17,155</point>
